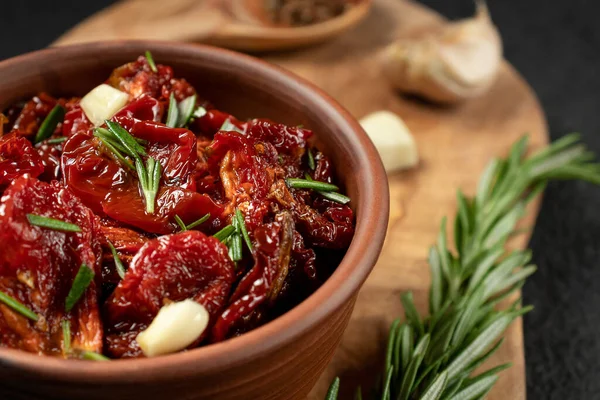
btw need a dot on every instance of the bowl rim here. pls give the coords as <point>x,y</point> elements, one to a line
<point>344,283</point>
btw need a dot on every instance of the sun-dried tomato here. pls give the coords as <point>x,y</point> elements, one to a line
<point>38,266</point>
<point>17,157</point>
<point>187,265</point>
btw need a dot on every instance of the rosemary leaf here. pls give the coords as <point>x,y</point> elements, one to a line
<point>311,159</point>
<point>93,356</point>
<point>180,223</point>
<point>82,280</point>
<point>332,393</point>
<point>297,183</point>
<point>198,222</point>
<point>118,264</point>
<point>18,306</point>
<point>151,61</point>
<point>242,227</point>
<point>186,109</point>
<point>224,233</point>
<point>173,112</point>
<point>66,329</point>
<point>436,388</point>
<point>57,140</point>
<point>51,223</point>
<point>48,126</point>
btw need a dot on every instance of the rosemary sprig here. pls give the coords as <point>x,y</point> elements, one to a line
<point>242,228</point>
<point>119,141</point>
<point>183,227</point>
<point>224,233</point>
<point>48,126</point>
<point>434,356</point>
<point>186,109</point>
<point>51,223</point>
<point>18,306</point>
<point>333,196</point>
<point>82,280</point>
<point>297,183</point>
<point>57,140</point>
<point>311,159</point>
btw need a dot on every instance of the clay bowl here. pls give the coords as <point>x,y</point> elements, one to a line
<point>280,360</point>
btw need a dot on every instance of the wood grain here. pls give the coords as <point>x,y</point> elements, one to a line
<point>454,145</point>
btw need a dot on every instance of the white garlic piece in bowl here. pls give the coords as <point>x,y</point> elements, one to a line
<point>460,62</point>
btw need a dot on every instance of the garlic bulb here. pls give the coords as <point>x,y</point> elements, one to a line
<point>460,62</point>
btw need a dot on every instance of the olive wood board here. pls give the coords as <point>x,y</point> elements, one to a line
<point>455,143</point>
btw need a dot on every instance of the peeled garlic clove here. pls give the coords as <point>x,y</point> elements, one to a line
<point>102,103</point>
<point>175,327</point>
<point>460,62</point>
<point>392,139</point>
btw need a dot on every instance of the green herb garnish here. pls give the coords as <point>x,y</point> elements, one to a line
<point>18,306</point>
<point>66,328</point>
<point>311,159</point>
<point>51,223</point>
<point>186,109</point>
<point>173,112</point>
<point>47,128</point>
<point>81,282</point>
<point>242,228</point>
<point>333,196</point>
<point>118,264</point>
<point>297,183</point>
<point>436,356</point>
<point>149,175</point>
<point>200,112</point>
<point>93,356</point>
<point>224,233</point>
<point>198,222</point>
<point>180,222</point>
<point>234,243</point>
<point>228,126</point>
<point>115,149</point>
<point>151,61</point>
<point>57,140</point>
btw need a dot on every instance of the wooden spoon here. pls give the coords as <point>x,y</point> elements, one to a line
<point>226,23</point>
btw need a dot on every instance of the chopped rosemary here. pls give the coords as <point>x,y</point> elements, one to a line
<point>151,61</point>
<point>118,264</point>
<point>242,227</point>
<point>180,222</point>
<point>129,142</point>
<point>173,113</point>
<point>93,356</point>
<point>18,306</point>
<point>311,159</point>
<point>224,233</point>
<point>81,282</point>
<point>50,123</point>
<point>436,356</point>
<point>298,183</point>
<point>51,223</point>
<point>66,328</point>
<point>198,222</point>
<point>57,140</point>
<point>186,109</point>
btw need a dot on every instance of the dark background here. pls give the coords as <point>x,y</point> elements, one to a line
<point>556,46</point>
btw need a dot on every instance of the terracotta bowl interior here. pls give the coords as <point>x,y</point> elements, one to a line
<point>247,88</point>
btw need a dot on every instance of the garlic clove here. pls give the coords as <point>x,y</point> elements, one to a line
<point>393,140</point>
<point>102,103</point>
<point>176,326</point>
<point>460,62</point>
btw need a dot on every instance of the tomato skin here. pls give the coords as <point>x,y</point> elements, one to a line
<point>17,157</point>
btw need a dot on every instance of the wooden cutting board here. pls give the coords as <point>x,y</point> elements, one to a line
<point>455,144</point>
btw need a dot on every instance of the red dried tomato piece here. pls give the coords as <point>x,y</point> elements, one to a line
<point>260,287</point>
<point>38,265</point>
<point>137,78</point>
<point>50,155</point>
<point>33,113</point>
<point>211,122</point>
<point>17,157</point>
<point>127,243</point>
<point>286,139</point>
<point>144,108</point>
<point>75,122</point>
<point>187,265</point>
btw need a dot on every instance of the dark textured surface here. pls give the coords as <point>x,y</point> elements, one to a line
<point>556,46</point>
